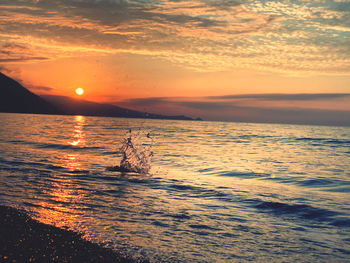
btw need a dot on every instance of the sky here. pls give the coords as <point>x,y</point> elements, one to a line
<point>233,60</point>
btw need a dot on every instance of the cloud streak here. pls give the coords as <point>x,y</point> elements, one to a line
<point>270,108</point>
<point>11,52</point>
<point>285,97</point>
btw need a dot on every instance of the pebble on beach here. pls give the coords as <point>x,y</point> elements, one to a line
<point>26,240</point>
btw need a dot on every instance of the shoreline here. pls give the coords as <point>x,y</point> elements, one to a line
<point>24,239</point>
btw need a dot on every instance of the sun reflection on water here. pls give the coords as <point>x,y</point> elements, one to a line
<point>71,161</point>
<point>78,134</point>
<point>63,206</point>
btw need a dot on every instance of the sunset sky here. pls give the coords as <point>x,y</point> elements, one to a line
<point>221,60</point>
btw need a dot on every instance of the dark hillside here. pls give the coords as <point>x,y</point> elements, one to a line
<point>15,98</point>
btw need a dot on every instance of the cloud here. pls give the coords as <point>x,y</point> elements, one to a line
<point>204,35</point>
<point>8,71</point>
<point>322,109</point>
<point>285,97</point>
<point>39,89</point>
<point>22,59</point>
<point>13,52</point>
<point>221,101</point>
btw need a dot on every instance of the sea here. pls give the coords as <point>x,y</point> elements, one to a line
<point>212,191</point>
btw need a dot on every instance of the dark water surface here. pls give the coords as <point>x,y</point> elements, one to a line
<point>217,192</point>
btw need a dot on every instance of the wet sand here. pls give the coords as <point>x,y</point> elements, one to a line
<point>23,239</point>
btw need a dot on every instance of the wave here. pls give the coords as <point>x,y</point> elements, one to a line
<point>56,146</point>
<point>322,182</point>
<point>325,141</point>
<point>325,184</point>
<point>115,153</point>
<point>253,136</point>
<point>181,190</point>
<point>37,167</point>
<point>202,226</point>
<point>65,146</point>
<point>303,211</point>
<point>241,174</point>
<point>341,222</point>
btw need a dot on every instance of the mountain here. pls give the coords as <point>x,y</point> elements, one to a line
<point>15,98</point>
<point>72,106</point>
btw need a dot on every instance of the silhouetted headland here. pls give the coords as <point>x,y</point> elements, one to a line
<point>26,240</point>
<point>17,99</point>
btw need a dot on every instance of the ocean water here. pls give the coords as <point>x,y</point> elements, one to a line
<point>216,192</point>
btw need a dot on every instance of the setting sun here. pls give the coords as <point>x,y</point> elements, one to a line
<point>79,91</point>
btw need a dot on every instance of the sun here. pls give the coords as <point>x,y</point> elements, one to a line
<point>79,91</point>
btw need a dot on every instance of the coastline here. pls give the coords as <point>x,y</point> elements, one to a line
<point>24,239</point>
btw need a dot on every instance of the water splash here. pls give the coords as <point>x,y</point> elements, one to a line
<point>137,154</point>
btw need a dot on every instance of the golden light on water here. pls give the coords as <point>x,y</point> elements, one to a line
<point>71,160</point>
<point>78,134</point>
<point>55,210</point>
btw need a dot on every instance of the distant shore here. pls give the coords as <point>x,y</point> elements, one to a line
<point>26,240</point>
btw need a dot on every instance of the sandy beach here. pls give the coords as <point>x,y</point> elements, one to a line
<point>26,240</point>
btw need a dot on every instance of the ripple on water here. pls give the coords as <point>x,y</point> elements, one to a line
<point>303,211</point>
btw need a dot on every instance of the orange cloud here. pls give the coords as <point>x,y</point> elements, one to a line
<point>201,35</point>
